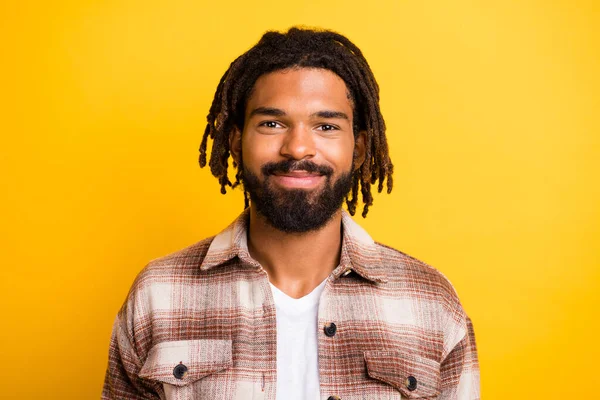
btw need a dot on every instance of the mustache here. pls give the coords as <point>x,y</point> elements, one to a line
<point>286,166</point>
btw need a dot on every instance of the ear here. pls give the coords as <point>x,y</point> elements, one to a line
<point>235,145</point>
<point>359,150</point>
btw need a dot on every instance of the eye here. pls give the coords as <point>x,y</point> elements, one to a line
<point>270,124</point>
<point>327,127</point>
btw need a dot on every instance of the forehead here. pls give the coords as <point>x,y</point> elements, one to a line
<point>300,90</point>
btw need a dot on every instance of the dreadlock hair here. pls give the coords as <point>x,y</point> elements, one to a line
<point>301,48</point>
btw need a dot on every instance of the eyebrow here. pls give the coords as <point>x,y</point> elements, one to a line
<point>330,114</point>
<point>277,112</point>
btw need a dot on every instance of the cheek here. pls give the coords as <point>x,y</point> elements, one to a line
<point>339,154</point>
<point>258,150</point>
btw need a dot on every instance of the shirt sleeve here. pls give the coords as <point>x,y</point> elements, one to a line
<point>122,379</point>
<point>460,369</point>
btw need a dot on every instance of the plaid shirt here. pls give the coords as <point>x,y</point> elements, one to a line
<point>200,324</point>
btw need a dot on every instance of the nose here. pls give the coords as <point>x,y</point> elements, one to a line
<point>298,143</point>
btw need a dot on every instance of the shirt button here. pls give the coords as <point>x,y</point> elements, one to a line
<point>334,398</point>
<point>330,329</point>
<point>179,371</point>
<point>346,272</point>
<point>411,383</point>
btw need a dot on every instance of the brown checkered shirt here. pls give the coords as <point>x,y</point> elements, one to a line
<point>200,324</point>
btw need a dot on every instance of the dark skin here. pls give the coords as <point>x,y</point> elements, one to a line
<point>299,113</point>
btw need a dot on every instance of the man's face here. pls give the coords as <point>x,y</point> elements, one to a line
<point>298,150</point>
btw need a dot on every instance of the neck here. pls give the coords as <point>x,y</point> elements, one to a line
<point>296,262</point>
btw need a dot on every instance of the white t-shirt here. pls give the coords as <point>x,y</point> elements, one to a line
<point>297,361</point>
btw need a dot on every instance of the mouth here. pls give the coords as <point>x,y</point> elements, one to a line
<point>297,179</point>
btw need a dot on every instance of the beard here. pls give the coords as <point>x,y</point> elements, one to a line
<point>296,210</point>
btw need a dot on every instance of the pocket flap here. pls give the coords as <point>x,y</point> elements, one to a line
<point>405,371</point>
<point>200,357</point>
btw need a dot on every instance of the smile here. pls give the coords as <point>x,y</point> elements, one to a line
<point>297,179</point>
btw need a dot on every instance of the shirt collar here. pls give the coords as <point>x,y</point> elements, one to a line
<point>359,252</point>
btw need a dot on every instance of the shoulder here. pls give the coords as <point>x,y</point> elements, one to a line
<point>434,301</point>
<point>181,264</point>
<point>430,292</point>
<point>421,279</point>
<point>154,286</point>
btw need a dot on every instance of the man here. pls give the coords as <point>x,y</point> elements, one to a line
<point>294,300</point>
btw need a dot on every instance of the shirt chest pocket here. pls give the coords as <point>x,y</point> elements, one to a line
<point>413,376</point>
<point>189,369</point>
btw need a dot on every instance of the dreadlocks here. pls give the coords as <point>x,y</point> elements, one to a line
<point>296,49</point>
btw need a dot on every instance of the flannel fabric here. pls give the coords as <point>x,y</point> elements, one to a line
<point>200,324</point>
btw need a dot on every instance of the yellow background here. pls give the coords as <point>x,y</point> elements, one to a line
<point>492,112</point>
